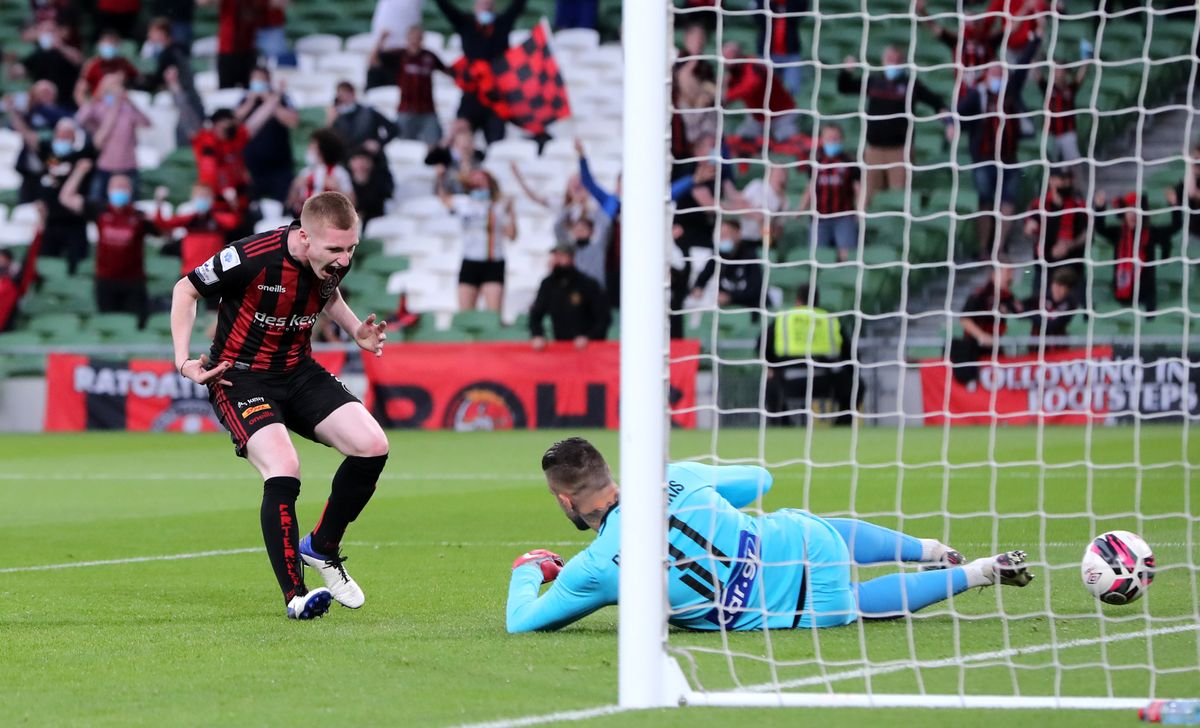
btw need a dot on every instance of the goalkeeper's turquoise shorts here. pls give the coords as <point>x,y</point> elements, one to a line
<point>829,598</point>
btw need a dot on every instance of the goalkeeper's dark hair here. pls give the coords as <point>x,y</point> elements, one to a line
<point>576,466</point>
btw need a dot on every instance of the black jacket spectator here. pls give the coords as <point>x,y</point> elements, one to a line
<point>1136,243</point>
<point>479,39</point>
<point>575,303</point>
<point>54,62</point>
<point>741,279</point>
<point>888,104</point>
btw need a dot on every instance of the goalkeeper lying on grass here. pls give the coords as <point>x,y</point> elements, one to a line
<point>730,569</point>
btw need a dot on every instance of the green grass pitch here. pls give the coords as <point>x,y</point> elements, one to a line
<point>203,641</point>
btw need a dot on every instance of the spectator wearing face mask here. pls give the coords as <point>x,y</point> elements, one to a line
<point>833,193</point>
<point>33,123</point>
<point>1058,224</point>
<point>113,121</point>
<point>1061,110</point>
<point>206,226</point>
<point>989,112</point>
<point>590,239</point>
<point>323,171</point>
<point>359,126</point>
<point>64,231</point>
<point>740,281</point>
<point>892,97</point>
<point>52,59</point>
<point>984,320</point>
<point>372,184</point>
<point>120,243</point>
<point>574,302</point>
<point>484,37</point>
<point>269,118</point>
<point>106,62</point>
<point>488,222</point>
<point>237,25</point>
<point>218,151</point>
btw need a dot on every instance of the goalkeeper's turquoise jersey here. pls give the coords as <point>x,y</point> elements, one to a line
<point>728,568</point>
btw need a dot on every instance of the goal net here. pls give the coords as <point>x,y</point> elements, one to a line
<point>938,258</point>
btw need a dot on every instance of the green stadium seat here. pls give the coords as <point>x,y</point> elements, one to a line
<point>52,268</point>
<point>384,264</point>
<point>53,324</point>
<point>159,322</point>
<point>476,322</point>
<point>15,339</point>
<point>113,325</point>
<point>75,337</point>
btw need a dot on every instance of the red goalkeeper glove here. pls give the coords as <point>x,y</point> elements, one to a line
<point>550,563</point>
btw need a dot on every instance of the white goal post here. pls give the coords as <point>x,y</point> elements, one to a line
<point>650,672</point>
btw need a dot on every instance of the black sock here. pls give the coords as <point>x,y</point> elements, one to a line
<point>281,533</point>
<point>353,486</point>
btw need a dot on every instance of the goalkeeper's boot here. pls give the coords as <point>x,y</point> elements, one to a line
<point>311,605</point>
<point>946,559</point>
<point>344,589</point>
<point>1009,569</point>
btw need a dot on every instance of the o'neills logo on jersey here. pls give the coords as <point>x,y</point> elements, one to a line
<point>271,289</point>
<point>286,322</point>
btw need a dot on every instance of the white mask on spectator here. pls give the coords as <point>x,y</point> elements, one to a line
<point>259,86</point>
<point>485,17</point>
<point>346,108</point>
<point>311,158</point>
<point>46,41</point>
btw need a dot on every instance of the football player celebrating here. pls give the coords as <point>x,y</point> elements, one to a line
<point>730,570</point>
<point>263,381</point>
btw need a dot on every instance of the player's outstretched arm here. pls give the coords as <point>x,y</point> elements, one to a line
<point>573,594</point>
<point>741,485</point>
<point>183,314</point>
<point>369,334</point>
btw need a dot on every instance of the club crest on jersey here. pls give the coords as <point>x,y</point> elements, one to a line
<point>206,273</point>
<point>229,259</point>
<point>329,285</point>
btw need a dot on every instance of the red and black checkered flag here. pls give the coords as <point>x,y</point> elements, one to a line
<point>523,86</point>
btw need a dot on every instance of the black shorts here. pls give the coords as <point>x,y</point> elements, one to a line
<point>477,272</point>
<point>299,399</point>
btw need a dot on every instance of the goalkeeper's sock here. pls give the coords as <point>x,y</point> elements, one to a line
<point>872,544</point>
<point>281,533</point>
<point>980,572</point>
<point>933,550</point>
<point>895,595</point>
<point>353,486</point>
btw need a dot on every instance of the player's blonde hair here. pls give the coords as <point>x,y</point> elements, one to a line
<point>329,210</point>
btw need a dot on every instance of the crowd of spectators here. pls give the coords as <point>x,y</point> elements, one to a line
<point>732,103</point>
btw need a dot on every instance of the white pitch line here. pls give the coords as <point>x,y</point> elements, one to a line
<point>867,672</point>
<point>576,715</point>
<point>37,477</point>
<point>130,560</point>
<point>234,552</point>
<point>564,716</point>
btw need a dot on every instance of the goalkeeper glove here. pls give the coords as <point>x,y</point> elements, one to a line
<point>549,562</point>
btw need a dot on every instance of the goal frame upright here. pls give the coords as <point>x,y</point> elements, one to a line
<point>648,675</point>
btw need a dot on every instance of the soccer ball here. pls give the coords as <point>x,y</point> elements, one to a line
<point>1118,567</point>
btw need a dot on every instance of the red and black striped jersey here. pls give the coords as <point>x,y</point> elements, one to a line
<point>269,301</point>
<point>1061,106</point>
<point>833,184</point>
